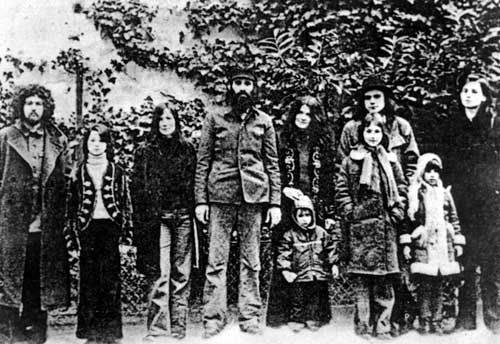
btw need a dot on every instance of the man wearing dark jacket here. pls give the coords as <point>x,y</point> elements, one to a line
<point>237,178</point>
<point>34,268</point>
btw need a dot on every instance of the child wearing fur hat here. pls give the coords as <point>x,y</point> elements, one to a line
<point>307,255</point>
<point>436,240</point>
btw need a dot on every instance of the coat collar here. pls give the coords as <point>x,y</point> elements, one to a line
<point>53,148</point>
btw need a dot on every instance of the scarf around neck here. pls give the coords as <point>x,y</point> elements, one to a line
<point>378,155</point>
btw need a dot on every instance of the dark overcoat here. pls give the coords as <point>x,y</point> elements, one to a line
<point>371,236</point>
<point>16,202</point>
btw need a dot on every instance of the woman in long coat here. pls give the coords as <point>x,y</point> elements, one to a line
<point>472,161</point>
<point>306,155</point>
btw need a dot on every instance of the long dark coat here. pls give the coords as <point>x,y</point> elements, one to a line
<point>16,202</point>
<point>371,236</point>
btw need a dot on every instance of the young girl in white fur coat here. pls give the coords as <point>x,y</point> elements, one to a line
<point>436,240</point>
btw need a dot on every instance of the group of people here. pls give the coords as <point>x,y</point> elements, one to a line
<point>370,207</point>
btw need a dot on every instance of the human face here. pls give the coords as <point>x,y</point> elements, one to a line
<point>372,135</point>
<point>303,118</point>
<point>374,101</point>
<point>33,109</point>
<point>432,177</point>
<point>304,217</point>
<point>166,125</point>
<point>94,144</point>
<point>243,85</point>
<point>472,95</point>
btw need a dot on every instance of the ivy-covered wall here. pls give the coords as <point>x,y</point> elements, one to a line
<point>133,54</point>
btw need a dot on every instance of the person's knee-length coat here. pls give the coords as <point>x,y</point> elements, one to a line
<point>372,234</point>
<point>16,203</point>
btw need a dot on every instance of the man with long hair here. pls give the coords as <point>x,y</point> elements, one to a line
<point>34,268</point>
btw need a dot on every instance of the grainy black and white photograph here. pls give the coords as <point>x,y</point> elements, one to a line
<point>250,171</point>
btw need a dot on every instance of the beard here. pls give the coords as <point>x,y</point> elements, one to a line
<point>242,101</point>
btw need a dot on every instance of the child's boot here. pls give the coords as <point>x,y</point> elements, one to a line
<point>295,326</point>
<point>437,328</point>
<point>425,326</point>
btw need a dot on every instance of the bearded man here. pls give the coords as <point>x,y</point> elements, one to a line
<point>34,267</point>
<point>237,180</point>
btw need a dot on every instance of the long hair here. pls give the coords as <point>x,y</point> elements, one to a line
<point>373,119</point>
<point>106,136</point>
<point>31,90</point>
<point>485,107</point>
<point>388,111</point>
<point>318,129</point>
<point>158,111</point>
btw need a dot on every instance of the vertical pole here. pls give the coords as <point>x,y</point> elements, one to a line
<point>78,154</point>
<point>79,103</point>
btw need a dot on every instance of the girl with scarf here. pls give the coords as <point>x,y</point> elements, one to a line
<point>100,209</point>
<point>163,198</point>
<point>436,240</point>
<point>370,196</point>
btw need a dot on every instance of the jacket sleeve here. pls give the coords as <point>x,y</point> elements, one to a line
<point>127,210</point>
<point>403,227</point>
<point>138,188</point>
<point>343,199</point>
<point>204,160</point>
<point>328,171</point>
<point>271,165</point>
<point>285,252</point>
<point>451,212</point>
<point>71,213</point>
<point>332,246</point>
<point>346,141</point>
<point>411,152</point>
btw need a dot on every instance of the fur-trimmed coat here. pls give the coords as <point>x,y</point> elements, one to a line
<point>434,244</point>
<point>371,233</point>
<point>16,203</point>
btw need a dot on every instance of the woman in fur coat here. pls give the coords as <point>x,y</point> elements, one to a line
<point>436,240</point>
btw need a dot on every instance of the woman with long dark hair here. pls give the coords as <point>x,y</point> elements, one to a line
<point>163,198</point>
<point>307,158</point>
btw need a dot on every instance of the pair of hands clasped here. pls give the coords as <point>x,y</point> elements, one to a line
<point>291,276</point>
<point>273,216</point>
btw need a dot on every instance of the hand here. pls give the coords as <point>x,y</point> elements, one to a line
<point>202,212</point>
<point>407,252</point>
<point>273,216</point>
<point>335,271</point>
<point>329,223</point>
<point>289,276</point>
<point>397,215</point>
<point>459,250</point>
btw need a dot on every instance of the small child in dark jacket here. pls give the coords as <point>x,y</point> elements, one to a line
<point>307,255</point>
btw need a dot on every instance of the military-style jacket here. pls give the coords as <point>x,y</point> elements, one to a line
<point>238,160</point>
